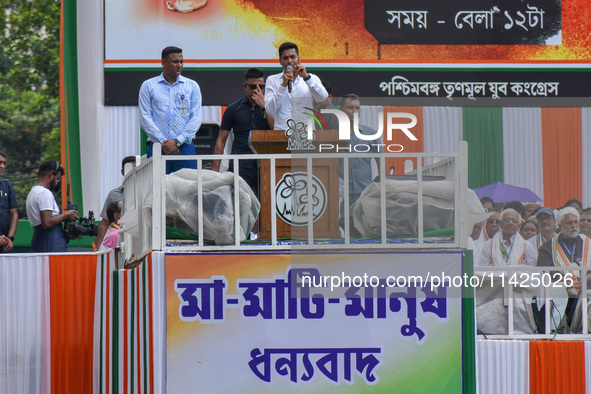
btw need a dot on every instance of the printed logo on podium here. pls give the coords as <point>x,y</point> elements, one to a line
<point>292,198</point>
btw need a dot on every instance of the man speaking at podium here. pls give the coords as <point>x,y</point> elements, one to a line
<point>293,83</point>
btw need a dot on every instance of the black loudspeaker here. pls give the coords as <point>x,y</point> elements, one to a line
<point>205,140</point>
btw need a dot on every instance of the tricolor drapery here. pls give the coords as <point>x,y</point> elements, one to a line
<point>541,367</point>
<point>74,324</point>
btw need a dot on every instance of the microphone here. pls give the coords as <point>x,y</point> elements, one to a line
<point>289,83</point>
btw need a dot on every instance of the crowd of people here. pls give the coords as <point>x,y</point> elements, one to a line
<point>533,235</point>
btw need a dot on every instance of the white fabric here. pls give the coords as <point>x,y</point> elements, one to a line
<point>218,204</point>
<point>522,147</point>
<point>24,324</point>
<point>442,130</point>
<point>211,114</point>
<point>90,47</point>
<point>121,139</point>
<point>490,252</point>
<point>40,199</point>
<point>586,147</point>
<point>502,366</point>
<point>369,116</point>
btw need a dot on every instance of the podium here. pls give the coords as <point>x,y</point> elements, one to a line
<point>291,191</point>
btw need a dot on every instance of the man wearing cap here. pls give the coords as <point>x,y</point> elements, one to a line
<point>44,213</point>
<point>546,227</point>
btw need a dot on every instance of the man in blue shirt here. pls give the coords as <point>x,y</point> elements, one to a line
<point>241,117</point>
<point>170,110</point>
<point>8,210</point>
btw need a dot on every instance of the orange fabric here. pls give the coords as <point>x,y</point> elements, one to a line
<point>72,284</point>
<point>562,155</point>
<point>556,367</point>
<point>398,137</point>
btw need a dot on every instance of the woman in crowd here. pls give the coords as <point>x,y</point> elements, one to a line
<point>529,229</point>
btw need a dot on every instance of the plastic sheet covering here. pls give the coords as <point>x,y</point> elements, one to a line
<point>218,205</point>
<point>492,309</point>
<point>402,208</point>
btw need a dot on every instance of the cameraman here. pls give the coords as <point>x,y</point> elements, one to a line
<point>44,213</point>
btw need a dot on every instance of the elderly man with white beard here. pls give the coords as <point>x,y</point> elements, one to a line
<point>567,249</point>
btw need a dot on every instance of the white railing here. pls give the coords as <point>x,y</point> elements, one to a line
<point>151,229</point>
<point>541,282</point>
<point>443,167</point>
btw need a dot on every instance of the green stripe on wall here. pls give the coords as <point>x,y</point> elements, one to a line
<point>115,337</point>
<point>468,328</point>
<point>102,322</point>
<point>72,126</point>
<point>483,129</point>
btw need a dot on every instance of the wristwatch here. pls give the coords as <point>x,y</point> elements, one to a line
<point>10,237</point>
<point>178,143</point>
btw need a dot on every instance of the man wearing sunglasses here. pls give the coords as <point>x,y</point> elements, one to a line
<point>44,213</point>
<point>293,88</point>
<point>241,117</point>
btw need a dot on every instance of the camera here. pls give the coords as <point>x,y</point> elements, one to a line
<point>81,227</point>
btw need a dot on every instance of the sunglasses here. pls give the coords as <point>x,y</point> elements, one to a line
<point>254,87</point>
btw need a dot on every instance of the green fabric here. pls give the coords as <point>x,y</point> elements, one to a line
<point>24,234</point>
<point>468,327</point>
<point>143,140</point>
<point>483,130</point>
<point>72,118</point>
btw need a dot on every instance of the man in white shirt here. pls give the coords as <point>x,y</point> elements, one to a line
<point>44,213</point>
<point>293,87</point>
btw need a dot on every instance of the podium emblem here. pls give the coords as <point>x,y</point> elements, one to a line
<point>297,136</point>
<point>292,198</point>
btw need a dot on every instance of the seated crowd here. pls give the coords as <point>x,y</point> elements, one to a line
<point>532,235</point>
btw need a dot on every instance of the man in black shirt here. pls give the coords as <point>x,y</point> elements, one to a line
<point>8,210</point>
<point>241,117</point>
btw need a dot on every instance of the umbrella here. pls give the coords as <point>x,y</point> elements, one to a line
<point>501,192</point>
